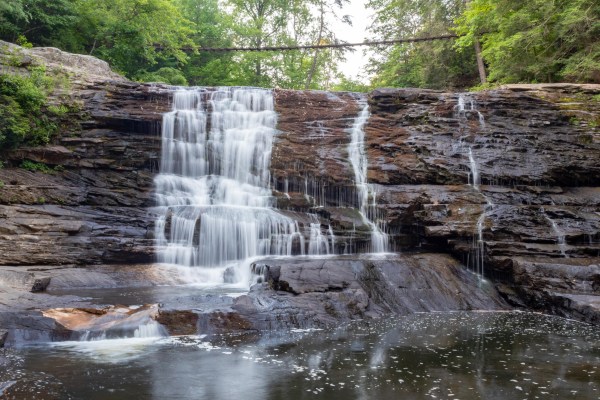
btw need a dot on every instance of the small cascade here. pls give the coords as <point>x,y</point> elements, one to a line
<point>474,178</point>
<point>560,236</point>
<point>114,322</point>
<point>358,159</point>
<point>213,187</point>
<point>318,243</point>
<point>475,181</point>
<point>462,108</point>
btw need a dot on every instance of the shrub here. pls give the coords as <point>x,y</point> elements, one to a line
<point>25,118</point>
<point>35,167</point>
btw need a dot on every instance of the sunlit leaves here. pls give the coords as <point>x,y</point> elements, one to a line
<point>537,40</point>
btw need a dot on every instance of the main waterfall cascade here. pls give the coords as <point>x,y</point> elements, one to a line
<point>213,187</point>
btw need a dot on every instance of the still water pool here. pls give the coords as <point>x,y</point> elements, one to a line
<point>466,355</point>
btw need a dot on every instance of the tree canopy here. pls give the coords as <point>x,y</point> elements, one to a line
<point>162,40</point>
<point>535,40</point>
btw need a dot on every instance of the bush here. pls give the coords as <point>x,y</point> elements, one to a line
<point>171,76</point>
<point>35,167</point>
<point>25,118</point>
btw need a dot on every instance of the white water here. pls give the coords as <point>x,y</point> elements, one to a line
<point>213,186</point>
<point>475,181</point>
<point>358,159</point>
<point>560,236</point>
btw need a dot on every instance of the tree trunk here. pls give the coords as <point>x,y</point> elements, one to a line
<point>480,64</point>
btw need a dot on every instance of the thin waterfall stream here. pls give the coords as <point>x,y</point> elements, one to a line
<point>367,205</point>
<point>560,236</point>
<point>475,181</point>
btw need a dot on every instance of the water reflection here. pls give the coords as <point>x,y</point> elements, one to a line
<point>422,356</point>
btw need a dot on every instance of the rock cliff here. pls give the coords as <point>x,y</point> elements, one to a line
<point>505,181</point>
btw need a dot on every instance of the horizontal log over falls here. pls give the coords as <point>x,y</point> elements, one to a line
<point>514,168</point>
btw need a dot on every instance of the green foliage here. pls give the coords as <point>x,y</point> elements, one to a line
<point>259,23</point>
<point>435,65</point>
<point>131,35</point>
<point>1,183</point>
<point>35,167</point>
<point>162,40</point>
<point>38,22</point>
<point>349,85</point>
<point>58,110</point>
<point>23,118</point>
<point>23,42</point>
<point>536,40</point>
<point>169,75</point>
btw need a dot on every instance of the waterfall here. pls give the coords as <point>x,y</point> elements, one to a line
<point>474,170</point>
<point>475,181</point>
<point>213,187</point>
<point>560,236</point>
<point>358,159</point>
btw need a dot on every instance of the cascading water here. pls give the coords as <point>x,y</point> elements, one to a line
<point>213,186</point>
<point>358,159</point>
<point>560,236</point>
<point>475,181</point>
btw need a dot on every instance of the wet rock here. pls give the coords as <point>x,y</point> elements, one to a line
<point>110,321</point>
<point>31,326</point>
<point>229,276</point>
<point>5,386</point>
<point>317,293</point>
<point>178,322</point>
<point>570,287</point>
<point>3,336</point>
<point>40,285</point>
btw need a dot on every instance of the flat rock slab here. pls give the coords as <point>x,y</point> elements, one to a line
<point>305,293</point>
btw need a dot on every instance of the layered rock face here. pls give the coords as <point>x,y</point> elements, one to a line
<point>505,181</point>
<point>94,207</point>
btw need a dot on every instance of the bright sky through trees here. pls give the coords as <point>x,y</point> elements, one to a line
<point>355,62</point>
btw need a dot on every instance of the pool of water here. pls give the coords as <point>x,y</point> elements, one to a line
<point>463,355</point>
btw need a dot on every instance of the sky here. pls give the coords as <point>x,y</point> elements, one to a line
<point>361,18</point>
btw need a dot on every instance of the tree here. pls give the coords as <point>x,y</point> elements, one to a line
<point>434,65</point>
<point>260,23</point>
<point>212,27</point>
<point>537,40</point>
<point>40,22</point>
<point>132,35</point>
<point>324,34</point>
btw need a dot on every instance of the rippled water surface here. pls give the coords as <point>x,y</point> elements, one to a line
<point>423,356</point>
